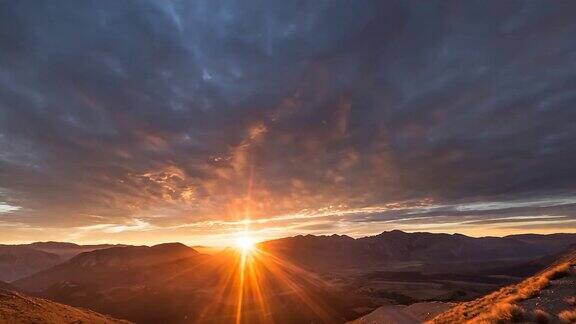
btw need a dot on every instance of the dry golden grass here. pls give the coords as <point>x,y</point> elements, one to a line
<point>501,307</point>
<point>501,313</point>
<point>568,316</point>
<point>530,288</point>
<point>558,271</point>
<point>17,308</point>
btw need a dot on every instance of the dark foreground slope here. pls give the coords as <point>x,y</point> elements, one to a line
<point>17,308</point>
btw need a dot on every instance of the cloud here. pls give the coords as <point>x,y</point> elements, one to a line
<point>6,208</point>
<point>135,225</point>
<point>177,113</point>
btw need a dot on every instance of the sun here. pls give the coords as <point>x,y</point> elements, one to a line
<point>245,243</point>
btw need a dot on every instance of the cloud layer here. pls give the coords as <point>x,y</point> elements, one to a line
<point>154,116</point>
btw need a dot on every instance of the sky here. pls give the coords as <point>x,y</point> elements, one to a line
<point>154,121</point>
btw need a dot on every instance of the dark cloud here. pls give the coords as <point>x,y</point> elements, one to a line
<point>182,111</point>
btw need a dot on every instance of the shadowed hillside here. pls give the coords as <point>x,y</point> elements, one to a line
<point>20,261</point>
<point>17,308</point>
<point>106,266</point>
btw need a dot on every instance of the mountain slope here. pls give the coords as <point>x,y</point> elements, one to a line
<point>545,297</point>
<point>127,282</point>
<point>20,261</point>
<point>16,308</point>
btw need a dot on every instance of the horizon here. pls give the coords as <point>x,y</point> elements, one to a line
<point>199,122</point>
<point>257,240</point>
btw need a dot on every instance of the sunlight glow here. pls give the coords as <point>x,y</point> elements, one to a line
<point>249,287</point>
<point>245,243</point>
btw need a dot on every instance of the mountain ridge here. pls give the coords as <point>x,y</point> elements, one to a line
<point>397,246</point>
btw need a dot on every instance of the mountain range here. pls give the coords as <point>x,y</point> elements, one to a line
<point>396,247</point>
<point>325,279</point>
<point>172,283</point>
<point>67,250</point>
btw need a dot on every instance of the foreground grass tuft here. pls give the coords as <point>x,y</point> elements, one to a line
<point>568,316</point>
<point>502,313</point>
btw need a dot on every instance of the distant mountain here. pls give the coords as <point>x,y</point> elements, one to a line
<point>208,249</point>
<point>133,282</point>
<point>527,268</point>
<point>107,265</point>
<point>67,250</point>
<point>552,242</point>
<point>20,261</point>
<point>389,248</point>
<point>547,297</point>
<point>16,307</point>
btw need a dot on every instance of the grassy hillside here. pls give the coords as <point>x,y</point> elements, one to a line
<point>549,296</point>
<point>16,308</point>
